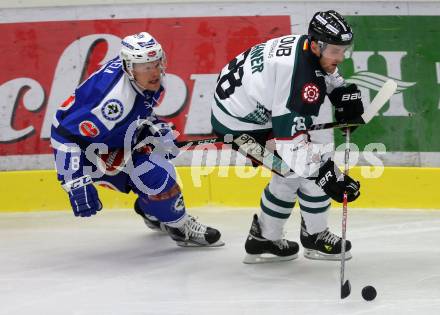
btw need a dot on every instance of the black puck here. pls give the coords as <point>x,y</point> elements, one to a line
<point>369,293</point>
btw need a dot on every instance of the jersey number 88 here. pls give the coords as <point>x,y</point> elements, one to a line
<point>227,82</point>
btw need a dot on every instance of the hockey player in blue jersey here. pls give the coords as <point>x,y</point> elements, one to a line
<point>107,133</point>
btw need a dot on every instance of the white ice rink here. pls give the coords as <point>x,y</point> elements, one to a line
<point>54,263</point>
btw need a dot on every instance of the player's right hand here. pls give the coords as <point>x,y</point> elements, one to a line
<point>83,196</point>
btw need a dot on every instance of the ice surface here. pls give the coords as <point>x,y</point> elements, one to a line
<point>54,263</point>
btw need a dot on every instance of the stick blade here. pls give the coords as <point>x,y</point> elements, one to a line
<point>345,289</point>
<point>384,94</point>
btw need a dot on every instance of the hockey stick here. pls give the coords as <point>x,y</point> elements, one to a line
<point>378,102</point>
<point>329,125</point>
<point>251,148</point>
<point>345,285</point>
<point>384,94</point>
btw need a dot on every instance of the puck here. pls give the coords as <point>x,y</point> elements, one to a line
<point>369,293</point>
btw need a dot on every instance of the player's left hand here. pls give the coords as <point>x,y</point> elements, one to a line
<point>348,103</point>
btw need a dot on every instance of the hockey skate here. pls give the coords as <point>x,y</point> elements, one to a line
<point>195,234</point>
<point>260,250</point>
<point>324,245</point>
<point>150,221</point>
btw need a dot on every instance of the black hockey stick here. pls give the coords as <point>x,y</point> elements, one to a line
<point>329,125</point>
<point>345,285</point>
<point>378,102</point>
<point>262,156</point>
<point>249,147</point>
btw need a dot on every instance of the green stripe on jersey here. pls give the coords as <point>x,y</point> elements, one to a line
<point>221,129</point>
<point>273,213</point>
<point>314,210</point>
<point>281,203</point>
<point>311,198</point>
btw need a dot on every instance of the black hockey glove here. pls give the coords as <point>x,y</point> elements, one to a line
<point>334,183</point>
<point>348,105</point>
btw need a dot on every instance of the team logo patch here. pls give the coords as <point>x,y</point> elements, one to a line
<point>310,93</point>
<point>88,129</point>
<point>179,205</point>
<point>112,109</point>
<point>151,53</point>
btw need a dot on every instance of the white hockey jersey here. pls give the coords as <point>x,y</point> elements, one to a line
<point>276,86</point>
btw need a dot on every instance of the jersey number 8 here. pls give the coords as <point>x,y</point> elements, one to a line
<point>227,82</point>
<point>298,124</point>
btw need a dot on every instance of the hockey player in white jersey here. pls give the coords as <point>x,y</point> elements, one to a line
<point>271,92</point>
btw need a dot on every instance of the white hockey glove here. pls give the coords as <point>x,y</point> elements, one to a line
<point>301,155</point>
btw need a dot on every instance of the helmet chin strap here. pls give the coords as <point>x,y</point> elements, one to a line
<point>322,46</point>
<point>320,49</point>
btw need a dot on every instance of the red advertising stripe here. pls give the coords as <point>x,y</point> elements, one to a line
<point>43,62</point>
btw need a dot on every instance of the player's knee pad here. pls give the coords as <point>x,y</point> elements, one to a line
<point>168,206</point>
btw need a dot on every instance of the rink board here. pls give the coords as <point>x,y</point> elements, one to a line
<point>397,187</point>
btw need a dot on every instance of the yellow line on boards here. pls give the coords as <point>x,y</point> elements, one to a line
<point>234,186</point>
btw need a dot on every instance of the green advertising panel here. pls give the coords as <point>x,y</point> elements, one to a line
<point>406,49</point>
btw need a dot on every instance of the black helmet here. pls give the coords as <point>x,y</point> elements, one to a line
<point>330,27</point>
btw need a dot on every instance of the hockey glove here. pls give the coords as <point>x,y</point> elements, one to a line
<point>159,139</point>
<point>334,183</point>
<point>348,103</point>
<point>83,196</point>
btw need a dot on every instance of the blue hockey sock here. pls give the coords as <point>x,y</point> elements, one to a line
<point>168,207</point>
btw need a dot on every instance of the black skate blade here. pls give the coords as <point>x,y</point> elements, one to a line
<point>345,289</point>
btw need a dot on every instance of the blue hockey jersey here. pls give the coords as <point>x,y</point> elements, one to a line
<point>102,109</point>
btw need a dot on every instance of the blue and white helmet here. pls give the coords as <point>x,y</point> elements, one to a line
<point>140,48</point>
